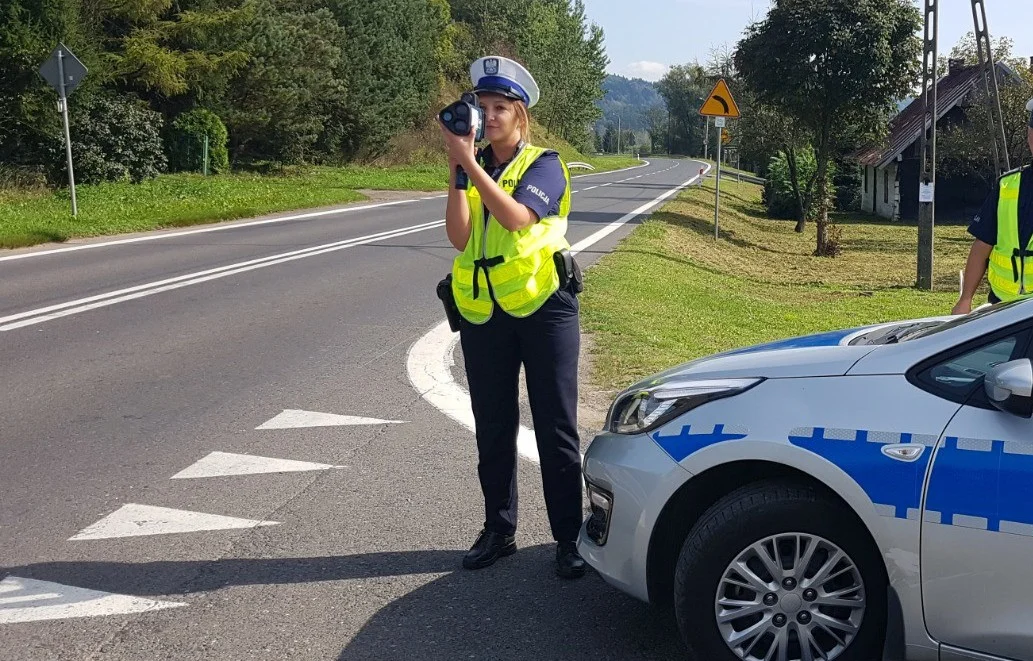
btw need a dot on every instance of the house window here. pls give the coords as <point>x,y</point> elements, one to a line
<point>886,186</point>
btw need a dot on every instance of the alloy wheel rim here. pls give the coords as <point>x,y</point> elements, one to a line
<point>790,597</point>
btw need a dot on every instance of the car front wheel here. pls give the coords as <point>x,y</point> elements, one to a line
<point>777,572</point>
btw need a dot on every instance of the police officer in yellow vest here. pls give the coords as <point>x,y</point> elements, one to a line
<point>508,222</point>
<point>1003,246</point>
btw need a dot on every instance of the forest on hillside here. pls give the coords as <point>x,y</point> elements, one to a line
<point>271,81</point>
<point>628,99</point>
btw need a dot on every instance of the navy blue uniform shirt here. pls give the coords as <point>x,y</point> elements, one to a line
<point>541,187</point>
<point>984,226</point>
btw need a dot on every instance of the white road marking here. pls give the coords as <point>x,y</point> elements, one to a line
<point>29,600</point>
<point>229,225</point>
<point>135,520</point>
<point>204,230</point>
<point>591,188</point>
<point>429,365</point>
<point>596,174</point>
<point>223,464</point>
<point>430,359</point>
<point>78,306</point>
<point>295,419</point>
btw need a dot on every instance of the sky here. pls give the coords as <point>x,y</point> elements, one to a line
<point>643,43</point>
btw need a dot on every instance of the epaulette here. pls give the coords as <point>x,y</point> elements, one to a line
<point>1011,172</point>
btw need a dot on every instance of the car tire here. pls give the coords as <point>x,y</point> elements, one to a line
<point>759,516</point>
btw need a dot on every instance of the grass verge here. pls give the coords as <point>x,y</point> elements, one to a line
<point>669,293</point>
<point>178,200</point>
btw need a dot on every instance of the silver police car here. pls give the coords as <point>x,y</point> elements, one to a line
<point>851,496</point>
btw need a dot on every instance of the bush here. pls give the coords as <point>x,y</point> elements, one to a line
<point>113,139</point>
<point>185,142</point>
<point>778,194</point>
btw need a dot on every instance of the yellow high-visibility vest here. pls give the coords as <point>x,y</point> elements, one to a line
<point>514,269</point>
<point>1007,272</point>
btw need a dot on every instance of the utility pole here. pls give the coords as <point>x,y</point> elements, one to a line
<point>993,94</point>
<point>927,183</point>
<point>927,180</point>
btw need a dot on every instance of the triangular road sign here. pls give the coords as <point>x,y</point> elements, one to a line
<point>134,520</point>
<point>29,600</point>
<point>294,419</point>
<point>221,464</point>
<point>720,102</point>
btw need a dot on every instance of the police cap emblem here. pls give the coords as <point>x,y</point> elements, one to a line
<point>491,66</point>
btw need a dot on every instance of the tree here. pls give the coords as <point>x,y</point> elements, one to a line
<point>683,89</point>
<point>657,124</point>
<point>280,105</point>
<point>830,64</point>
<point>610,139</point>
<point>967,148</point>
<point>390,52</point>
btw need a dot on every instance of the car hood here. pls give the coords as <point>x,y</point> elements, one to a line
<point>823,354</point>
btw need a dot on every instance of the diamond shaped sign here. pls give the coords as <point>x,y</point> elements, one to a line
<point>74,70</point>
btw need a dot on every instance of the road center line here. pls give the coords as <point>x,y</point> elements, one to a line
<point>49,313</point>
<point>77,306</point>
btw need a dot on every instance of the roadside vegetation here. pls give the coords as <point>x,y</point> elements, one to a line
<point>669,293</point>
<point>29,216</point>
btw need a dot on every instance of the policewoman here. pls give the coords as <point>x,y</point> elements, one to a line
<point>508,222</point>
<point>1003,245</point>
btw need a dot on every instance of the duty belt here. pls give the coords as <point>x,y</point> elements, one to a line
<point>484,263</point>
<point>1018,267</point>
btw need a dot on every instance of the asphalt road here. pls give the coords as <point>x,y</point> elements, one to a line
<point>125,363</point>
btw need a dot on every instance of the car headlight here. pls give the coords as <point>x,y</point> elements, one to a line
<point>641,411</point>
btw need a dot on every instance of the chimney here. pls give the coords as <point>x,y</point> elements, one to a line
<point>954,65</point>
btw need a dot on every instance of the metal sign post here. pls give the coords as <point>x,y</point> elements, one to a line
<point>719,122</point>
<point>64,72</point>
<point>721,106</point>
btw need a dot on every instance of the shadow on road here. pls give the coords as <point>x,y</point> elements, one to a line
<point>517,609</point>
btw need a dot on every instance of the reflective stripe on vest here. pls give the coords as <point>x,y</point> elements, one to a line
<point>515,269</point>
<point>1008,273</point>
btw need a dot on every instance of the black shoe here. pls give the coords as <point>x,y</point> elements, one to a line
<point>489,547</point>
<point>569,563</point>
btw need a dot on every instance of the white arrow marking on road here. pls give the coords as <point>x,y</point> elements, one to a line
<point>430,360</point>
<point>134,520</point>
<point>29,600</point>
<point>221,464</point>
<point>294,419</point>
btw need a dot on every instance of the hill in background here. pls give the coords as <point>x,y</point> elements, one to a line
<point>629,98</point>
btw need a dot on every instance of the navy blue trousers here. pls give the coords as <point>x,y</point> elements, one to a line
<point>547,343</point>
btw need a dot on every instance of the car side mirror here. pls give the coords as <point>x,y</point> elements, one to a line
<point>1009,387</point>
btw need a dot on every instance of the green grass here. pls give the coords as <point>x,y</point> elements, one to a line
<point>178,200</point>
<point>606,163</point>
<point>669,293</point>
<point>729,168</point>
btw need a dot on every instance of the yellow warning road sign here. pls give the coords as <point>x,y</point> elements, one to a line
<point>720,102</point>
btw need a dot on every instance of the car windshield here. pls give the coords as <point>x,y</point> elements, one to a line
<point>962,320</point>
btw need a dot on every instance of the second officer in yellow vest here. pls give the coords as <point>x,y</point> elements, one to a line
<point>508,222</point>
<point>1003,246</point>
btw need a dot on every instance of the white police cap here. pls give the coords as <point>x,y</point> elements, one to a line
<point>502,75</point>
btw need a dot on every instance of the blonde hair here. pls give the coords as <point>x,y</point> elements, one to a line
<point>524,120</point>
